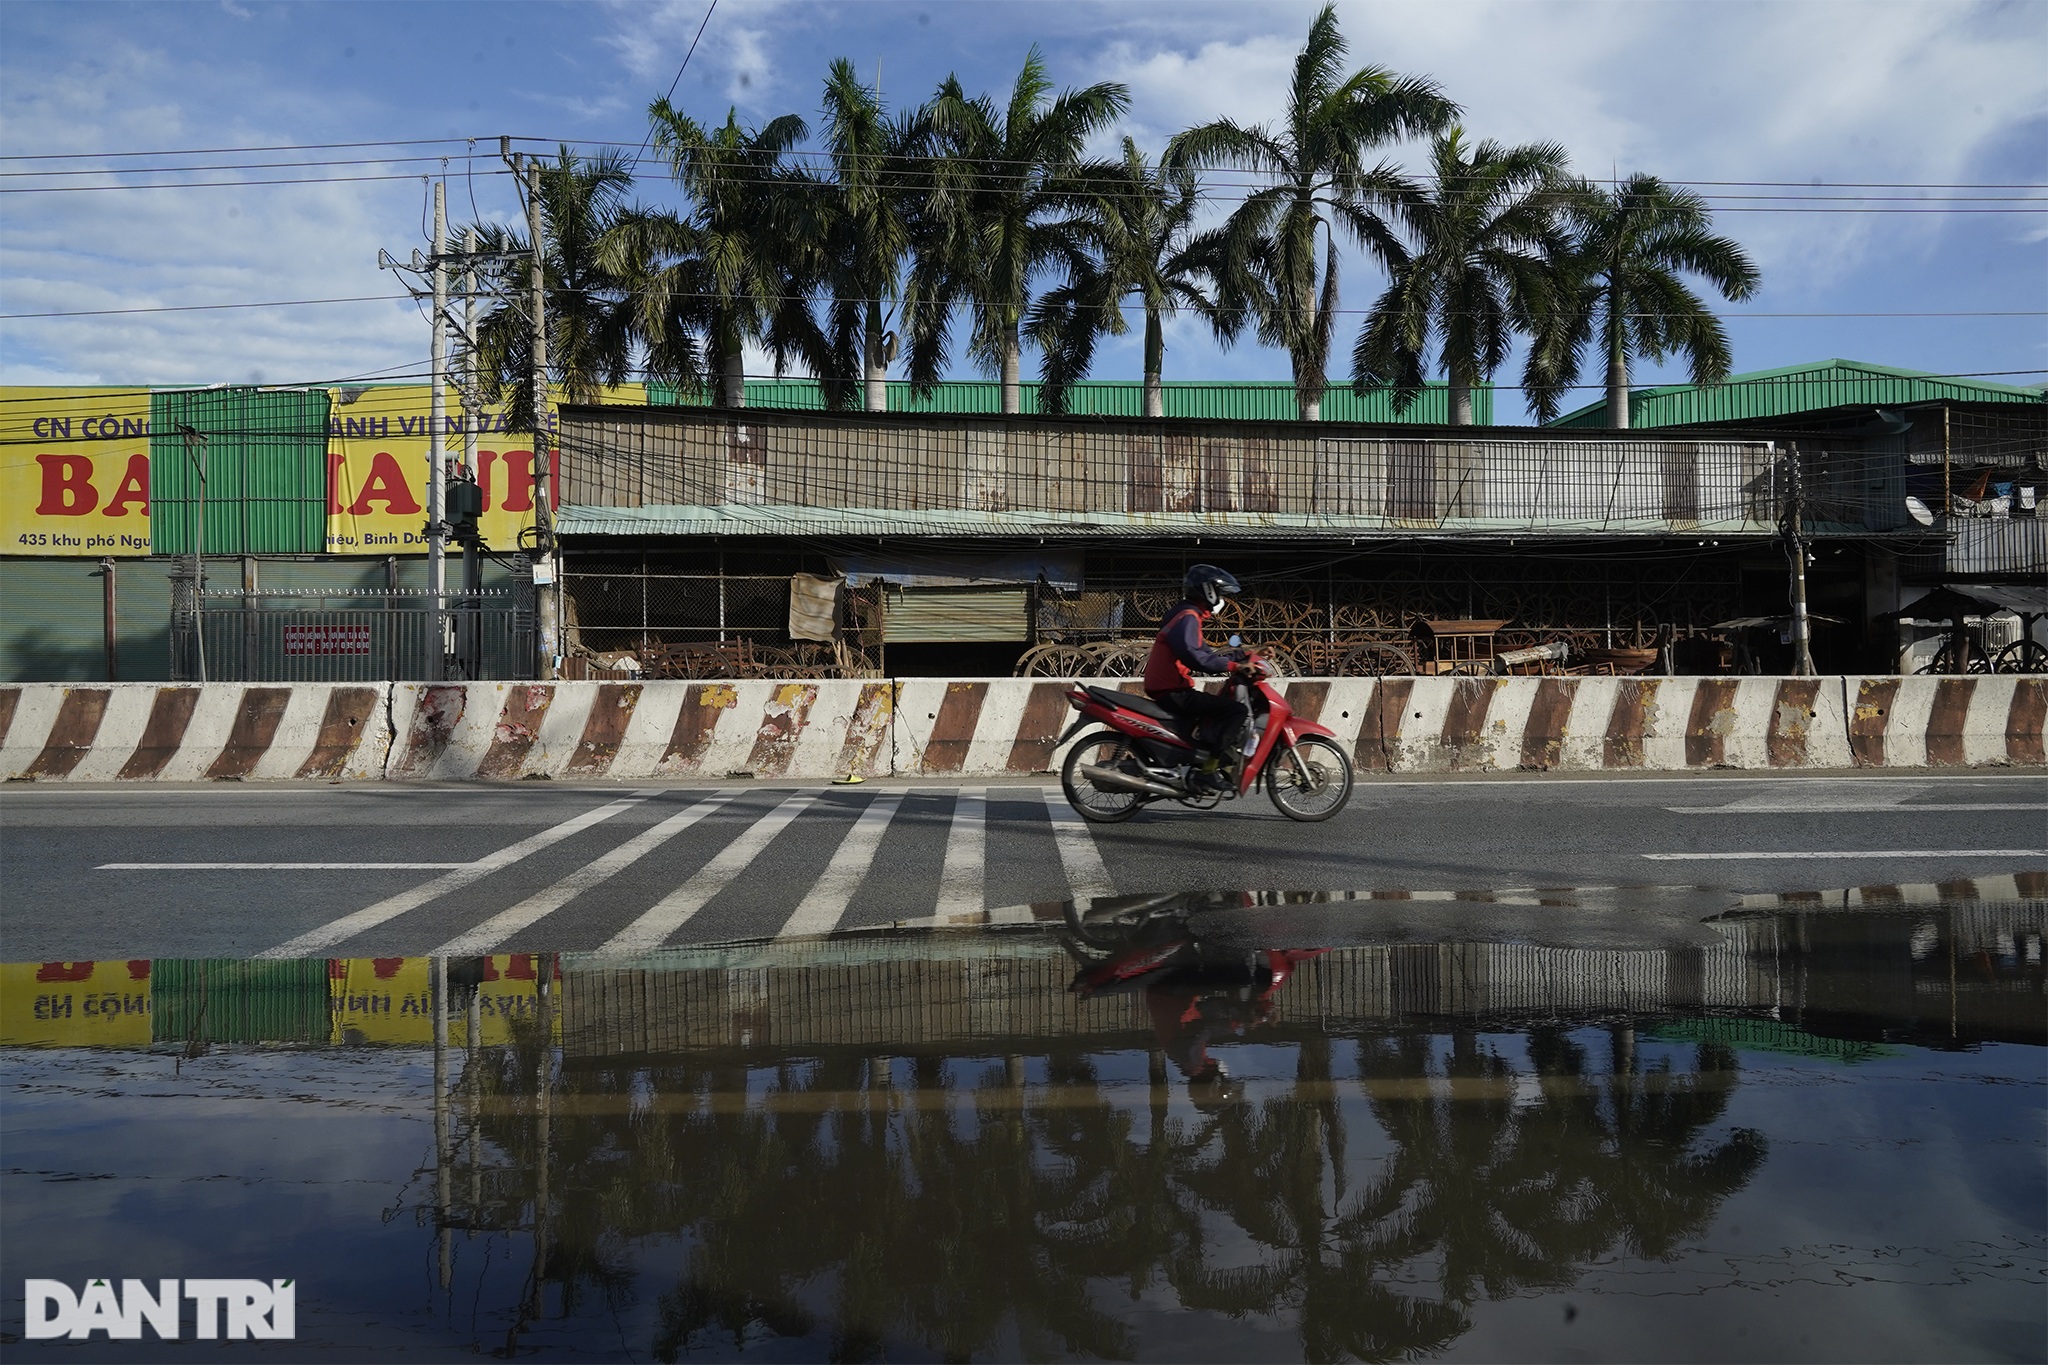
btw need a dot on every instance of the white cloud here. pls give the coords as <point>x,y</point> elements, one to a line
<point>171,248</point>
<point>1930,92</point>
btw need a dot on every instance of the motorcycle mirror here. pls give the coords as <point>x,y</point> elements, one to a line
<point>1236,641</point>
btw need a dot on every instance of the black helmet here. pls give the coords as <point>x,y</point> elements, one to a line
<point>1207,583</point>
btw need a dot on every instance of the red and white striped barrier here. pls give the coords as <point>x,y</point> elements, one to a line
<point>933,727</point>
<point>665,729</point>
<point>173,733</point>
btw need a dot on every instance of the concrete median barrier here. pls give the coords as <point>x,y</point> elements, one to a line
<point>172,732</point>
<point>984,727</point>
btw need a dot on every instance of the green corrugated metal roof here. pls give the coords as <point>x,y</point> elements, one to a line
<point>1794,389</point>
<point>1233,400</point>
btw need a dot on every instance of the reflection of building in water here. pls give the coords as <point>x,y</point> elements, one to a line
<point>1963,970</point>
<point>1851,975</point>
<point>931,1146</point>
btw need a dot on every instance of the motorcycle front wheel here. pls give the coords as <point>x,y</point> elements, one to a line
<point>1103,805</point>
<point>1311,781</point>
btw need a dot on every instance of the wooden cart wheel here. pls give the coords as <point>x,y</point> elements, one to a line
<point>1376,659</point>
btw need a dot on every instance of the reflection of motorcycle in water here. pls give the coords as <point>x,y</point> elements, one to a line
<point>1197,992</point>
<point>1149,754</point>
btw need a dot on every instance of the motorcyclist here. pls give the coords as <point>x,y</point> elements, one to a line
<point>1217,1000</point>
<point>1179,652</point>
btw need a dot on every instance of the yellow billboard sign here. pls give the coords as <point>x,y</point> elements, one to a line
<point>379,442</point>
<point>75,1004</point>
<point>74,472</point>
<point>391,999</point>
<point>378,445</point>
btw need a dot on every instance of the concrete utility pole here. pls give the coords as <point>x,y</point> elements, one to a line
<point>472,652</point>
<point>1802,626</point>
<point>437,436</point>
<point>548,598</point>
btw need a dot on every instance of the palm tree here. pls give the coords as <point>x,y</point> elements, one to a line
<point>1007,203</point>
<point>1320,184</point>
<point>1144,219</point>
<point>588,306</point>
<point>866,216</point>
<point>1633,244</point>
<point>1487,239</point>
<point>734,264</point>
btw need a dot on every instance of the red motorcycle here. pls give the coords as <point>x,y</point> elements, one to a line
<point>1148,754</point>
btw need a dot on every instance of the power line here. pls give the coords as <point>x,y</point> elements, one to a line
<point>712,7</point>
<point>800,298</point>
<point>220,184</point>
<point>205,307</point>
<point>236,151</point>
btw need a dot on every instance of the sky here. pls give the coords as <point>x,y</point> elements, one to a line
<point>1899,105</point>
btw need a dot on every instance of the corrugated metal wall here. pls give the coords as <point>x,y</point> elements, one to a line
<point>956,615</point>
<point>1782,393</point>
<point>52,612</point>
<point>265,484</point>
<point>229,1001</point>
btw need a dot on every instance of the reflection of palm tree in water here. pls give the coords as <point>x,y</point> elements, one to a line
<point>972,1214</point>
<point>1521,1195</point>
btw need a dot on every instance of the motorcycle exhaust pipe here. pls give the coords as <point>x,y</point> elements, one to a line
<point>1123,781</point>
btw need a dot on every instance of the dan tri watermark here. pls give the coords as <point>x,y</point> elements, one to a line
<point>234,1310</point>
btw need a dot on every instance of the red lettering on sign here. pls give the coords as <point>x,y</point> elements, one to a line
<point>386,484</point>
<point>134,488</point>
<point>64,971</point>
<point>138,969</point>
<point>335,460</point>
<point>386,967</point>
<point>518,481</point>
<point>67,486</point>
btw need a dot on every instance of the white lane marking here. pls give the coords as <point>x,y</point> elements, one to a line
<point>819,911</point>
<point>676,908</point>
<point>276,867</point>
<point>1847,807</point>
<point>962,881</point>
<point>483,937</point>
<point>370,916</point>
<point>1086,875</point>
<point>1852,853</point>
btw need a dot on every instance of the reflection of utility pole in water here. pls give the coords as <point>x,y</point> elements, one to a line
<point>543,1083</point>
<point>543,1093</point>
<point>473,1024</point>
<point>441,1145</point>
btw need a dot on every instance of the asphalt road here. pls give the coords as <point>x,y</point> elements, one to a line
<point>388,869</point>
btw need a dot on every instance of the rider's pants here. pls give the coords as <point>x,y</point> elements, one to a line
<point>1218,717</point>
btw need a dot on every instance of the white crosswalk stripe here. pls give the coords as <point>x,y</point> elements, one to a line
<point>1078,854</point>
<point>675,909</point>
<point>494,930</point>
<point>819,911</point>
<point>369,917</point>
<point>962,881</point>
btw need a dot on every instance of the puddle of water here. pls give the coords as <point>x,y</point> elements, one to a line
<point>1230,1129</point>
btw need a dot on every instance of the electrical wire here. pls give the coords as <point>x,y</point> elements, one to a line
<point>709,10</point>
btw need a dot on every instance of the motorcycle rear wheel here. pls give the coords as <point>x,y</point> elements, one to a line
<point>1311,781</point>
<point>1103,749</point>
